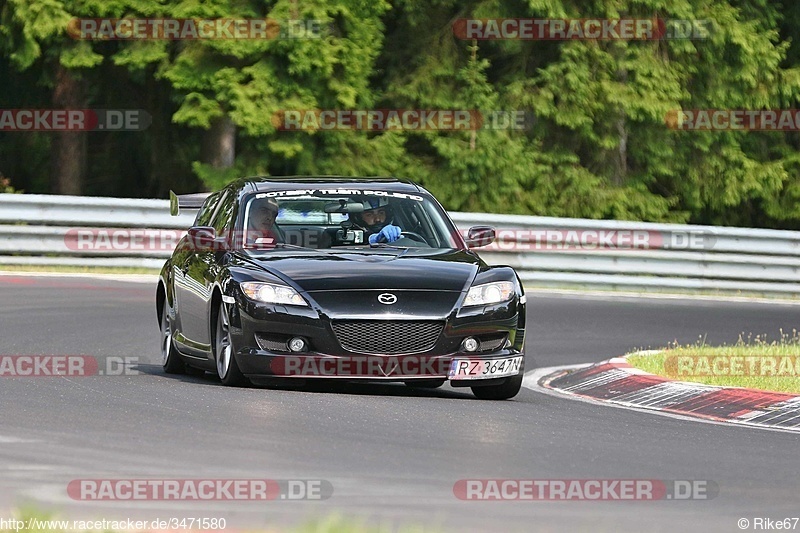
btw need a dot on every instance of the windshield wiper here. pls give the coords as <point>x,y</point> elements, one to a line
<point>292,246</point>
<point>398,256</point>
<point>296,247</point>
<point>384,245</point>
<point>261,248</point>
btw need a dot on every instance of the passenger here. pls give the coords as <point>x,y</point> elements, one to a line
<point>261,228</point>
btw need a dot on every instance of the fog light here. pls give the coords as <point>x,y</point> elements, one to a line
<point>297,344</point>
<point>470,344</point>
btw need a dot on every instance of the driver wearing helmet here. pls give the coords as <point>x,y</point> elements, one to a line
<point>377,221</point>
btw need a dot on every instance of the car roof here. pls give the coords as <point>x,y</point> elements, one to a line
<point>273,183</point>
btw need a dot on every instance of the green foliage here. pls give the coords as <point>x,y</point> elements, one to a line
<point>599,147</point>
<point>5,186</point>
<point>33,28</point>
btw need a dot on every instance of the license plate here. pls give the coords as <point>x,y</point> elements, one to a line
<point>484,369</point>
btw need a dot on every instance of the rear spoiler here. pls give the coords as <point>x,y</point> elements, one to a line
<point>186,201</point>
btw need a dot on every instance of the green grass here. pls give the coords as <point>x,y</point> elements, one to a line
<point>77,269</point>
<point>753,362</point>
<point>339,524</point>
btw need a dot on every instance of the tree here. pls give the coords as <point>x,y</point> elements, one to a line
<point>232,88</point>
<point>34,36</point>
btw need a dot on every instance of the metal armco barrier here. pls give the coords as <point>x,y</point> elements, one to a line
<point>552,252</point>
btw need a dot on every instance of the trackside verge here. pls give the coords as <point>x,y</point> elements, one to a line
<point>616,382</point>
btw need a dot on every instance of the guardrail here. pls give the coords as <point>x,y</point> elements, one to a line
<point>554,252</point>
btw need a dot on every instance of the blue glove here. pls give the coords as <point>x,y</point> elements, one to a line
<point>387,234</point>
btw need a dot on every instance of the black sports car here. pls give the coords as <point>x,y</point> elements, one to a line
<point>294,278</point>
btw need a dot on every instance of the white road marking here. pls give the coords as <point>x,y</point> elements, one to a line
<point>621,296</point>
<point>7,439</point>
<point>127,278</point>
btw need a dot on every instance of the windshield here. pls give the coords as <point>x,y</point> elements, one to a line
<point>352,219</point>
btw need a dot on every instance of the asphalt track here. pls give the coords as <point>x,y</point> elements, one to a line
<point>392,454</point>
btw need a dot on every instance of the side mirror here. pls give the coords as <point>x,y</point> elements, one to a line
<point>479,236</point>
<point>202,238</point>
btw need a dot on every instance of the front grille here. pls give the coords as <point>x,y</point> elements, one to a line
<point>385,337</point>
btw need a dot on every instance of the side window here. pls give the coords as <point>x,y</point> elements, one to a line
<point>204,215</point>
<point>421,223</point>
<point>223,218</point>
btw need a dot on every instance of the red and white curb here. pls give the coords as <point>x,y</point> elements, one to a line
<point>617,383</point>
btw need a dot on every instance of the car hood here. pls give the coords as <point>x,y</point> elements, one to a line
<point>389,270</point>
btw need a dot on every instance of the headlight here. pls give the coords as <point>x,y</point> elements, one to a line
<point>271,293</point>
<point>490,293</point>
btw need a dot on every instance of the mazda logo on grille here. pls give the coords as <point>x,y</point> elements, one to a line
<point>387,298</point>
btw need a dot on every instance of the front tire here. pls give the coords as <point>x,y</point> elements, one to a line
<point>227,368</point>
<point>504,391</point>
<point>170,358</point>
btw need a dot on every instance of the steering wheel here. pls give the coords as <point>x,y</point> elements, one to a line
<point>414,237</point>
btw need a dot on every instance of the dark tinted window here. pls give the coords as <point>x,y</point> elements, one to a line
<point>223,218</point>
<point>204,215</point>
<point>310,218</point>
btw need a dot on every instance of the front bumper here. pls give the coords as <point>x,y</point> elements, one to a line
<point>262,364</point>
<point>252,323</point>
